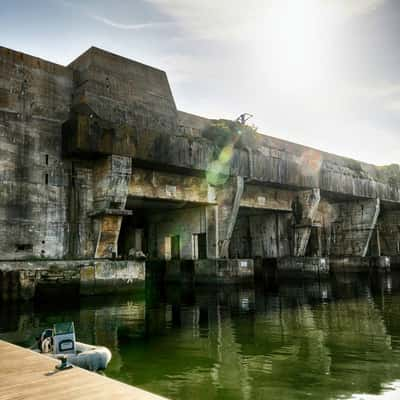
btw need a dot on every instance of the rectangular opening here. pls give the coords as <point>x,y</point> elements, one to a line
<point>202,239</point>
<point>170,190</point>
<point>46,159</point>
<point>175,247</point>
<point>137,240</point>
<point>199,246</point>
<point>46,179</point>
<point>167,247</point>
<point>24,247</point>
<point>195,246</point>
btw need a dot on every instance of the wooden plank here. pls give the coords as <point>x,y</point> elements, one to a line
<point>25,374</point>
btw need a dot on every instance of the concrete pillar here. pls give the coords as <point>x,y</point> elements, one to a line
<point>372,226</point>
<point>305,207</point>
<point>229,204</point>
<point>212,232</point>
<point>111,176</point>
<point>107,242</point>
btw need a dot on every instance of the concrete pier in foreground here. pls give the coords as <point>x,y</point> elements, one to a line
<point>25,374</point>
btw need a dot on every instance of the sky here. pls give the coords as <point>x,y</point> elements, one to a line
<point>323,73</point>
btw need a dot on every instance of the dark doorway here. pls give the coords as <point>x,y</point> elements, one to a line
<point>132,235</point>
<point>175,247</point>
<point>199,246</point>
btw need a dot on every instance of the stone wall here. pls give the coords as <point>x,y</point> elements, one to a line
<point>23,280</point>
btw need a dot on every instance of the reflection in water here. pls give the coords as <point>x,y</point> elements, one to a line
<point>324,340</point>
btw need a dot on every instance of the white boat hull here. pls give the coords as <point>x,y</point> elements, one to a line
<point>87,356</point>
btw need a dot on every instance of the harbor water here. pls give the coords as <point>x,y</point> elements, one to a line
<point>333,339</point>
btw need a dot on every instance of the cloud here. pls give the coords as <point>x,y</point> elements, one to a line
<point>394,106</point>
<point>119,25</point>
<point>357,7</point>
<point>380,90</point>
<point>112,23</point>
<point>184,68</point>
<point>385,94</point>
<point>231,19</point>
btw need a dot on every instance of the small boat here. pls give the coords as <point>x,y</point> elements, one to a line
<point>60,343</point>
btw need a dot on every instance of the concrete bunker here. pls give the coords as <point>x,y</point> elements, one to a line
<point>103,162</point>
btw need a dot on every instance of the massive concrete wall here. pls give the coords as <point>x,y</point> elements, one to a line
<point>81,146</point>
<point>34,101</point>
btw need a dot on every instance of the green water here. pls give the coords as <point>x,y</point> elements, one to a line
<point>328,340</point>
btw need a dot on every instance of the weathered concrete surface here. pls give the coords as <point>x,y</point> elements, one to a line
<point>152,184</point>
<point>181,223</point>
<point>349,226</point>
<point>304,267</point>
<point>305,208</point>
<point>203,271</point>
<point>394,262</point>
<point>85,133</point>
<point>34,102</point>
<point>360,264</point>
<point>267,198</point>
<point>388,232</point>
<point>124,92</point>
<point>97,162</point>
<point>223,271</point>
<point>229,203</point>
<point>263,235</point>
<point>111,276</point>
<point>22,280</point>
